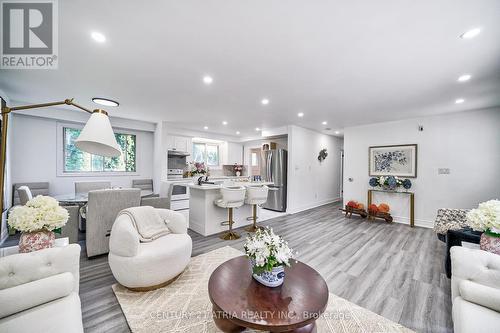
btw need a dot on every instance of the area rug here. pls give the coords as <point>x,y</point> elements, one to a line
<point>184,306</point>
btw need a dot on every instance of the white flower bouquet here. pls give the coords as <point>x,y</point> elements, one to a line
<point>486,217</point>
<point>39,213</point>
<point>267,250</point>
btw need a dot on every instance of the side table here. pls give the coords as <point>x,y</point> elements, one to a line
<point>455,238</point>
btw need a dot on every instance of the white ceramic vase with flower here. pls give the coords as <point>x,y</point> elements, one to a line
<point>269,254</point>
<point>486,218</point>
<point>37,221</point>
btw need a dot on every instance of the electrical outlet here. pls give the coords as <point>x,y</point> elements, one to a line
<point>443,171</point>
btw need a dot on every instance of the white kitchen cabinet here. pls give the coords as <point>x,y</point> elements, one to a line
<point>234,153</point>
<point>180,143</point>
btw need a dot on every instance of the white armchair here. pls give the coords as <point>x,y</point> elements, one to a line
<point>39,291</point>
<point>145,266</point>
<point>475,290</point>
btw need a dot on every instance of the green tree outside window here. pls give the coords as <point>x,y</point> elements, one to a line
<point>76,160</point>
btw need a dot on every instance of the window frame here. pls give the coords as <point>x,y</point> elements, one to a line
<point>61,152</point>
<point>206,144</point>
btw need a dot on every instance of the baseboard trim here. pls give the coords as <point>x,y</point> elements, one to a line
<point>313,205</point>
<point>418,222</point>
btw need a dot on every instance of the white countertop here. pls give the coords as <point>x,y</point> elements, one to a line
<point>206,187</point>
<point>190,180</point>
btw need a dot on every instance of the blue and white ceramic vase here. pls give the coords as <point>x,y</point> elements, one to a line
<point>272,279</point>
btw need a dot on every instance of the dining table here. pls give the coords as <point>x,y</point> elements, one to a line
<point>83,198</point>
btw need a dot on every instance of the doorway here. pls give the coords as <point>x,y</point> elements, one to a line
<point>255,161</point>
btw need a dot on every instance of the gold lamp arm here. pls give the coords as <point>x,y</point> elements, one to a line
<point>5,121</point>
<point>68,101</point>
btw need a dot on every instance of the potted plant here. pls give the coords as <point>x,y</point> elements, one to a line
<point>486,218</point>
<point>269,254</point>
<point>237,169</point>
<point>37,221</point>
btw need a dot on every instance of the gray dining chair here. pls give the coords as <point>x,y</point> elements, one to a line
<point>70,229</point>
<point>102,209</point>
<point>24,195</point>
<point>86,187</point>
<point>145,185</point>
<point>156,202</point>
<point>36,188</point>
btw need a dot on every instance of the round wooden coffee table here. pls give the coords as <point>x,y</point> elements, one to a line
<point>240,302</point>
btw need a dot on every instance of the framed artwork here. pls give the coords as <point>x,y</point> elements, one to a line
<point>397,160</point>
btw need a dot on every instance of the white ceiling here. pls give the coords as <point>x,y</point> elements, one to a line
<point>345,62</point>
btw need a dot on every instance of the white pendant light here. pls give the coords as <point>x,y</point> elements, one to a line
<point>97,136</point>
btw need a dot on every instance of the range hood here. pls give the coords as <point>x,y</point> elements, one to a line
<point>177,153</point>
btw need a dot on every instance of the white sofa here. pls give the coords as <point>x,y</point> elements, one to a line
<point>39,291</point>
<point>142,266</point>
<point>475,290</point>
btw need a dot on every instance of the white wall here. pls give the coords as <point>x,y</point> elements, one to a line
<point>468,143</point>
<point>33,154</point>
<point>311,183</point>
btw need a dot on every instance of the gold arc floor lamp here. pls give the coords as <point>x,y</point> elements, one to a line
<point>97,136</point>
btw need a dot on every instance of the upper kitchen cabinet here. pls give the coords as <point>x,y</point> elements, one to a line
<point>234,153</point>
<point>180,143</point>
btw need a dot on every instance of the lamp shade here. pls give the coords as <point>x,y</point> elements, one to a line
<point>97,136</point>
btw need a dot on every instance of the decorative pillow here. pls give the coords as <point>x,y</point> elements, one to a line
<point>450,219</point>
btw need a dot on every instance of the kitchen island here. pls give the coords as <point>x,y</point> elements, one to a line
<point>205,217</point>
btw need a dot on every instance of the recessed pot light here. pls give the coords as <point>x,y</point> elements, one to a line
<point>300,114</point>
<point>205,127</point>
<point>471,33</point>
<point>337,132</point>
<point>98,37</point>
<point>264,101</point>
<point>464,78</point>
<point>208,80</point>
<point>237,132</point>
<point>224,122</point>
<point>105,101</point>
<point>459,101</point>
<point>257,129</point>
<point>324,123</point>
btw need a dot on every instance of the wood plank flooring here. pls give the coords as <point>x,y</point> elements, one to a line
<point>393,270</point>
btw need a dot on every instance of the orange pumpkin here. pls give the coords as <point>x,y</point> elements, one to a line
<point>352,204</point>
<point>361,206</point>
<point>383,208</point>
<point>373,208</point>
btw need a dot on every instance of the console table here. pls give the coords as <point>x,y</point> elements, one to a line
<point>412,202</point>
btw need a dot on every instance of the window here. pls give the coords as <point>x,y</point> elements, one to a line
<point>254,159</point>
<point>207,153</point>
<point>76,160</point>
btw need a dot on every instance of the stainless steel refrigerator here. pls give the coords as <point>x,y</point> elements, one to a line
<point>273,168</point>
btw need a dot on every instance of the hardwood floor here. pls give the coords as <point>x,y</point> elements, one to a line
<point>393,270</point>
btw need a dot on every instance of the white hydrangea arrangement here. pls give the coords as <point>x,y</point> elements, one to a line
<point>486,217</point>
<point>41,212</point>
<point>268,250</point>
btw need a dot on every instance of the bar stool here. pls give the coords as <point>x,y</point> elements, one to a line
<point>232,197</point>
<point>256,195</point>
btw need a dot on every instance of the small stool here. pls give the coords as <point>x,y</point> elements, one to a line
<point>232,197</point>
<point>256,195</point>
